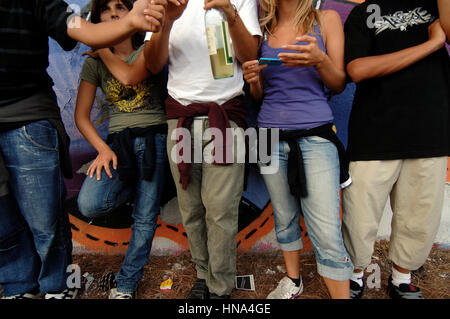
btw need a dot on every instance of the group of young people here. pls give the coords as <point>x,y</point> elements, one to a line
<point>397,149</point>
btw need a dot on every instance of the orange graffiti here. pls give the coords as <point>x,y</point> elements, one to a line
<point>448,171</point>
<point>115,241</point>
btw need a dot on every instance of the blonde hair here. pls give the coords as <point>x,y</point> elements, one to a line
<point>305,16</point>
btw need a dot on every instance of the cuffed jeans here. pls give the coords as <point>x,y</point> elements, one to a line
<point>320,208</point>
<point>35,237</point>
<point>98,198</point>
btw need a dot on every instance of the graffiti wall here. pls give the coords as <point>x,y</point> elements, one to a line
<point>111,234</point>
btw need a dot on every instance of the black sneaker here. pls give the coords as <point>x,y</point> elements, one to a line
<point>214,296</point>
<point>403,291</point>
<point>356,291</point>
<point>199,290</point>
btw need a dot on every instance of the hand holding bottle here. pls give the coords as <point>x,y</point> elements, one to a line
<point>225,5</point>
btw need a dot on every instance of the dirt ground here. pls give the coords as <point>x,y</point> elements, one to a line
<point>433,278</point>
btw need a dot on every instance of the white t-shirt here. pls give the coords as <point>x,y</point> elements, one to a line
<point>190,76</point>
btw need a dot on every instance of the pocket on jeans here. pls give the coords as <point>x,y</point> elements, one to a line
<point>42,134</point>
<point>317,140</point>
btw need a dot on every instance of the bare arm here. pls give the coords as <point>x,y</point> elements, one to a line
<point>332,69</point>
<point>156,50</point>
<point>127,74</point>
<point>85,100</point>
<point>144,16</point>
<point>252,74</point>
<point>245,45</point>
<point>382,65</point>
<point>329,66</point>
<point>444,14</point>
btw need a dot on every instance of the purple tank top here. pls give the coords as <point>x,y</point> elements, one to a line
<point>294,98</point>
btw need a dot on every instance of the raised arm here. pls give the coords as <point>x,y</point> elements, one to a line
<point>444,14</point>
<point>146,15</point>
<point>85,100</point>
<point>382,65</point>
<point>127,74</point>
<point>245,45</point>
<point>156,50</point>
<point>330,65</point>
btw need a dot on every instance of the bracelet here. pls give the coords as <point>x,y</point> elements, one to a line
<point>318,65</point>
<point>236,14</point>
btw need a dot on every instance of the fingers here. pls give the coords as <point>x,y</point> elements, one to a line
<point>251,71</point>
<point>114,160</point>
<point>177,2</point>
<point>159,2</point>
<point>285,56</point>
<point>249,64</point>
<point>107,170</point>
<point>155,24</point>
<point>215,4</point>
<point>97,166</point>
<point>99,172</point>
<point>306,38</point>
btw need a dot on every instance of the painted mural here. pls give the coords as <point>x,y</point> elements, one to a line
<point>111,234</point>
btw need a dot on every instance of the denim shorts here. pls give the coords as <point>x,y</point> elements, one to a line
<point>320,207</point>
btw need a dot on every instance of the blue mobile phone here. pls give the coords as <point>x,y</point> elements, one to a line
<point>270,61</point>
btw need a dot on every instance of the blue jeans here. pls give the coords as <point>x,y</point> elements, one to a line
<point>35,237</point>
<point>98,198</point>
<point>320,208</point>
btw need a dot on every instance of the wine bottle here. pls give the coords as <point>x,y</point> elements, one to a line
<point>219,45</point>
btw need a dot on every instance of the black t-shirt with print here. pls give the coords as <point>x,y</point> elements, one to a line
<point>405,114</point>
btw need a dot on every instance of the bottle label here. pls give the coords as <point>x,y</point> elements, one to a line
<point>211,38</point>
<point>227,43</point>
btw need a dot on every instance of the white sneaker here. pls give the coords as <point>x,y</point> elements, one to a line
<point>114,294</point>
<point>65,294</point>
<point>286,289</point>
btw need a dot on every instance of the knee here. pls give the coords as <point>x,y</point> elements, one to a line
<point>12,239</point>
<point>90,208</point>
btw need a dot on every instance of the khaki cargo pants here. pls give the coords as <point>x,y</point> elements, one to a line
<point>209,209</point>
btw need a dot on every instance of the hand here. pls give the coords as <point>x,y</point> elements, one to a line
<point>175,9</point>
<point>148,15</point>
<point>102,161</point>
<point>308,55</point>
<point>436,34</point>
<point>225,5</point>
<point>252,70</point>
<point>93,53</point>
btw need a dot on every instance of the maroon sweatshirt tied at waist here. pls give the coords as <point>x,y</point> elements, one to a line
<point>219,117</point>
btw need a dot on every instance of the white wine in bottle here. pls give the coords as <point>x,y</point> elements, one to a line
<point>219,46</point>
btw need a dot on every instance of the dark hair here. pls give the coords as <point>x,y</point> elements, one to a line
<point>96,8</point>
